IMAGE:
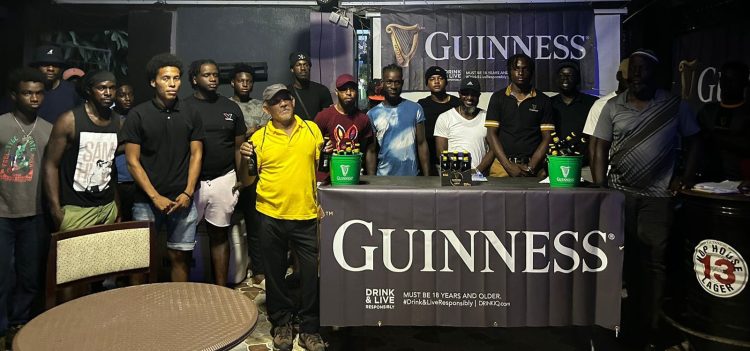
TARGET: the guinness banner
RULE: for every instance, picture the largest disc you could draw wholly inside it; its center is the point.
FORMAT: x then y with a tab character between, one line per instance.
477	45
411	254
698	56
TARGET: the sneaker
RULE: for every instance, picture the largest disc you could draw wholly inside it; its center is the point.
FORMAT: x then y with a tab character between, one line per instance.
283	337
311	342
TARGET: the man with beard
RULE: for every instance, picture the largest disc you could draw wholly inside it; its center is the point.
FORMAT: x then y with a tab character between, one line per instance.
286	151
519	123
242	82
23	232
164	150
344	122
78	162
60	95
125	183
217	192
311	97
462	128
398	125
641	129
436	79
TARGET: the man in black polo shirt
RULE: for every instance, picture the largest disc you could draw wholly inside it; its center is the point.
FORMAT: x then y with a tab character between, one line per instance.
439	101
519	123
311	97
571	107
225	129
164	149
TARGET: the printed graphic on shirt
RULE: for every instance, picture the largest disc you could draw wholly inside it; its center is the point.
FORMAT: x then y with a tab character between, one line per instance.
94	164
229	116
343	135
18	160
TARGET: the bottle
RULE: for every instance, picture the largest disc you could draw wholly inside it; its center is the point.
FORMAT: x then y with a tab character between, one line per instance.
455	163
444	163
252	164
324	162
465	164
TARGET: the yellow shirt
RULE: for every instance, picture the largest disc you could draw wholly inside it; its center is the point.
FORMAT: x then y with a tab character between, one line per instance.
286	170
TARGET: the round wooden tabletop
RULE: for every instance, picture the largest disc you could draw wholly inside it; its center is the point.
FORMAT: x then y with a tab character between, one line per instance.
164	316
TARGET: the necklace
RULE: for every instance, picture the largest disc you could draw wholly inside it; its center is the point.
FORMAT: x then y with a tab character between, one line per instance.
26	136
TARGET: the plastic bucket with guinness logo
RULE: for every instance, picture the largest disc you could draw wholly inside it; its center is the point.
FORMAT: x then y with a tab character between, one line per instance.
345	169
712	300
564	171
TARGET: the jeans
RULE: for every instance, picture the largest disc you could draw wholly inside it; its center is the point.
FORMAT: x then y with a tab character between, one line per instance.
275	237
181	224
24	243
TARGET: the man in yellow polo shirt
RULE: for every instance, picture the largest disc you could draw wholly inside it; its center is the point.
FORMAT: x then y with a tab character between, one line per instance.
285	153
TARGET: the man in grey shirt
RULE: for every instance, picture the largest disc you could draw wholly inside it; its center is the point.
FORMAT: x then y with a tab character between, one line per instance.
641	130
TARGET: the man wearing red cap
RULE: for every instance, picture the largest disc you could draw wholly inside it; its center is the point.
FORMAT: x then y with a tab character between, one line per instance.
343	121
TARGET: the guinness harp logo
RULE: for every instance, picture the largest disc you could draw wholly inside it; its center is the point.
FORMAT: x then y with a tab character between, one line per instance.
405	40
687	71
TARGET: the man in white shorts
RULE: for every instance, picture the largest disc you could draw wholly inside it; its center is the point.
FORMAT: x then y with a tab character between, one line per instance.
218	191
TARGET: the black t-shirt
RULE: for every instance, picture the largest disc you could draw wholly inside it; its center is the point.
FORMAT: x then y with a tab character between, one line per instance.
222	122
164	136
58	100
432	110
726	137
571	118
315	98
520	125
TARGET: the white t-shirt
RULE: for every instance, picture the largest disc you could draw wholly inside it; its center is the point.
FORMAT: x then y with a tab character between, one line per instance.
594	112
464	134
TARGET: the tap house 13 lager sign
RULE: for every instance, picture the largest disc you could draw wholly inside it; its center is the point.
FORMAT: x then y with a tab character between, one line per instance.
477	45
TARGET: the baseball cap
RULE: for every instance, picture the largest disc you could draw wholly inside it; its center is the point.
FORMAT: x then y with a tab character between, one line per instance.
272	90
72	72
649	54
345	79
470	84
298	56
48	54
435	70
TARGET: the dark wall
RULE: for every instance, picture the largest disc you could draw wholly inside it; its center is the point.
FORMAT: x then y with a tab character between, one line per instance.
149	33
243	34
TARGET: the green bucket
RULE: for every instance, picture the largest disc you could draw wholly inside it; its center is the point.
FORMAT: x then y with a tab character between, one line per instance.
564	171
345	169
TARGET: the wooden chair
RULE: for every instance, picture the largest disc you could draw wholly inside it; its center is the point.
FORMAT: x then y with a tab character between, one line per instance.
95	253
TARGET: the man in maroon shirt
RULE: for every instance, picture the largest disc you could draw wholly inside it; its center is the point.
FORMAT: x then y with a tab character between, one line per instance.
343	121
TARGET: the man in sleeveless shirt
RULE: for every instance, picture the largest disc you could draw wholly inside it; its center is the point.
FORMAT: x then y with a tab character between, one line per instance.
80	156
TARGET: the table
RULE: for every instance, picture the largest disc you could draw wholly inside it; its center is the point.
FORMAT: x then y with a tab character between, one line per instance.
164	316
509	252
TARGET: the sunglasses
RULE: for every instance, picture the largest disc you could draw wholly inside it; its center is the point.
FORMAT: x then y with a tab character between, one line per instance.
276	99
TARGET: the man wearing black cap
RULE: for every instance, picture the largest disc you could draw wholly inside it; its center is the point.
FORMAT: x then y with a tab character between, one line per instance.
60	95
80	156
286	152
640	130
436	79
519	123
311	97
462	128
570	105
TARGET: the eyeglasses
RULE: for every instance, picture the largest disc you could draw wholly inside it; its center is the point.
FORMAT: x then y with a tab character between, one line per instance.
393	82
278	98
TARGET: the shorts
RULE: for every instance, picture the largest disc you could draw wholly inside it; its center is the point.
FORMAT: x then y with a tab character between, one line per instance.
215	199
180	225
76	217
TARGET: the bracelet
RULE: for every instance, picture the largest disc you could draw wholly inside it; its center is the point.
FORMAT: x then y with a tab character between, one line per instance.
188	195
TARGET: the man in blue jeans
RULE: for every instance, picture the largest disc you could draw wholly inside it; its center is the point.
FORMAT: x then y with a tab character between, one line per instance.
23	233
164	147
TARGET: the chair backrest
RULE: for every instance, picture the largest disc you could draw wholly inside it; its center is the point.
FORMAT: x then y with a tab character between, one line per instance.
98	252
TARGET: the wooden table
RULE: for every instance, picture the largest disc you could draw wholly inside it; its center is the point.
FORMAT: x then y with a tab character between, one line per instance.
164	316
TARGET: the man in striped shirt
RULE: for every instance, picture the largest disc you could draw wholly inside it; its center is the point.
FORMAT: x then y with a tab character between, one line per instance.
640	130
